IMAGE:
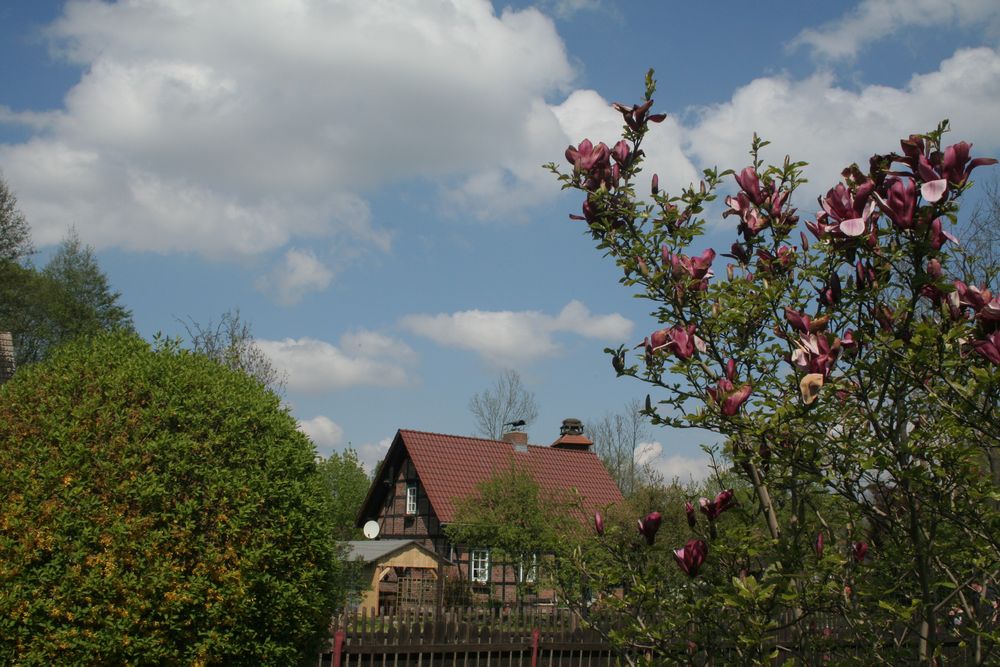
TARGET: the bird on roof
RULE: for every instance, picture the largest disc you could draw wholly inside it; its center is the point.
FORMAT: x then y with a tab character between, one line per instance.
520	423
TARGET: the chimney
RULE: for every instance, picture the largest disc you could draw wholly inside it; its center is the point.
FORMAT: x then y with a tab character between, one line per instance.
6	356
517	438
571	436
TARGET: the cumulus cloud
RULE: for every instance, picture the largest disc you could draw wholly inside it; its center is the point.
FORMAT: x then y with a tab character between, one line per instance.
325	433
830	126
297	274
587	115
686	469
871	20
364	358
370	454
233	128
513	338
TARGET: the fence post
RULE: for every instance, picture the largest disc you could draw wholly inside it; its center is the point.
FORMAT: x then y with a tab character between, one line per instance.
338	647
534	647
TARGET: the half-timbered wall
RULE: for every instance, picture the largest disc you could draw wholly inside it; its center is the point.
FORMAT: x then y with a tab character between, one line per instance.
423	525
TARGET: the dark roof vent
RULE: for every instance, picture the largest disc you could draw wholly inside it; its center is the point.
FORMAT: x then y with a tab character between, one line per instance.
571	427
571	436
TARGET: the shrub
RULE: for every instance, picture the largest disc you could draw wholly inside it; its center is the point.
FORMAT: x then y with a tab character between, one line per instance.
157	508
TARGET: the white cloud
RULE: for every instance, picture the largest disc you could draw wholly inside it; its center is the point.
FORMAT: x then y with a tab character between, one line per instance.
370	454
586	115
298	273
830	127
686	469
513	338
874	20
363	358
325	433
234	128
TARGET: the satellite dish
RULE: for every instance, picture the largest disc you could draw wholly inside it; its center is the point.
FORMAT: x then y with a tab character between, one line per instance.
370	530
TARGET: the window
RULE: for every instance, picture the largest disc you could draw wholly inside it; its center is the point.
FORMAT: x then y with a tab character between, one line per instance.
411	499
479	567
527	570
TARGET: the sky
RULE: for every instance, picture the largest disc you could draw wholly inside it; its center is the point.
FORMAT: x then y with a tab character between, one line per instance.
363	180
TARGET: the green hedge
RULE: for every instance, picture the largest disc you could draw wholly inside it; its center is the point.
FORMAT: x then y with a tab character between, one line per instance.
157	508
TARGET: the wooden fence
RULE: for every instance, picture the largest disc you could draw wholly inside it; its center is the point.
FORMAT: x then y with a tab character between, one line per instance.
543	637
467	637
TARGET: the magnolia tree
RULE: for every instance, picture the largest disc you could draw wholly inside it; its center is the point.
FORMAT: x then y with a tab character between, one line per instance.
854	383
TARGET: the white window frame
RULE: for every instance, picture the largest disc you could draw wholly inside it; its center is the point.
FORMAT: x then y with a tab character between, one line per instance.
528	575
411	498
479	565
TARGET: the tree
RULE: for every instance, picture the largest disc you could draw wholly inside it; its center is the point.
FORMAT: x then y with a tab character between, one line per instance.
854	382
70	298
616	440
979	259
231	343
506	402
511	515
347	483
157	508
88	303
15	235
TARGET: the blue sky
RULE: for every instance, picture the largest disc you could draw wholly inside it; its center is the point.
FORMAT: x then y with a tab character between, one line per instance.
362	179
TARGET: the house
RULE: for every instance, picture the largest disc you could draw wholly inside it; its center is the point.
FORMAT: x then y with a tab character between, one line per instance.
383	561
414	492
6	356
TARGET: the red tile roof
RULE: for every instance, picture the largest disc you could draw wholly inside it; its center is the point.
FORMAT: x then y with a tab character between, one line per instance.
450	467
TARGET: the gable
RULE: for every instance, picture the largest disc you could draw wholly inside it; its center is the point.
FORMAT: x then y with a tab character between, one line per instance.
450	467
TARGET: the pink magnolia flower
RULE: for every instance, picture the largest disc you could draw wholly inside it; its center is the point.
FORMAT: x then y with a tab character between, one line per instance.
989	347
713	508
939	172
751	221
818	545
973	297
621	153
636	115
956	165
830	295
780	261
649	526
691	517
696	269
592	164
844	213
691	556
900	201
864	275
815	353
939	235
598	523
750	184
728	397
859	551
679	340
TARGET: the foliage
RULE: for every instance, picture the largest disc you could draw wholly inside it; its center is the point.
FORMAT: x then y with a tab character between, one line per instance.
157	508
15	235
231	343
855	386
513	517
347	483
616	440
68	299
505	403
89	304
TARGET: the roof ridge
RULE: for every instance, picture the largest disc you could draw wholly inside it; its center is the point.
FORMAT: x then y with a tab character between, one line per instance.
453	435
491	441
